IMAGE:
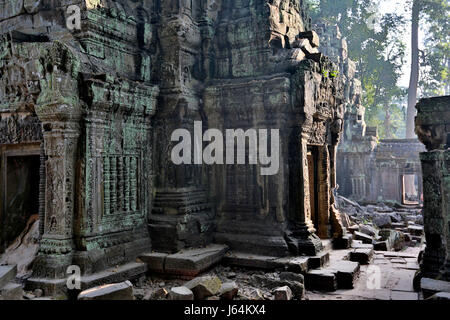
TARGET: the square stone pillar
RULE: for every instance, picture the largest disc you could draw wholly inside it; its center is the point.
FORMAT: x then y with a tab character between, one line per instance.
433	130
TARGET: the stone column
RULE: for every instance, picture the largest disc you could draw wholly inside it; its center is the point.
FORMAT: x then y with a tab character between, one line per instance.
58	108
433	130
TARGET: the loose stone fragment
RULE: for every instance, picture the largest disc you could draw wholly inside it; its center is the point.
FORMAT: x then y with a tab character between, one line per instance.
229	290
283	293
181	293
205	286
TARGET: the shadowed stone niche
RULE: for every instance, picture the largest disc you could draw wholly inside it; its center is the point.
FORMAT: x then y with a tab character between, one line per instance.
433	130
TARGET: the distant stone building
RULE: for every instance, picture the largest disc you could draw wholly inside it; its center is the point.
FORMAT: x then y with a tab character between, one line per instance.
91	112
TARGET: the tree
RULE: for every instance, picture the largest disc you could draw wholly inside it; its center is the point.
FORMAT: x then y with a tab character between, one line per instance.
435	64
379	52
414	78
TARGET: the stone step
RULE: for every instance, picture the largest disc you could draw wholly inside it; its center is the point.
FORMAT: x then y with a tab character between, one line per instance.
344	242
189	262
363	256
321	280
319	261
7	274
11	291
347	272
247	260
339	275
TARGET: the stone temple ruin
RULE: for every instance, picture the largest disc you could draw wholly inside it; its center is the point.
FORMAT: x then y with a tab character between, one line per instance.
86	123
90	112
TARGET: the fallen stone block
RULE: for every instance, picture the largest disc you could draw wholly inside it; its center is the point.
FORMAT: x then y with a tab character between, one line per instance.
368	230
205	286
415	230
382	246
115	291
353	228
347	273
382	220
431	287
7	274
228	290
11	291
181	293
322	280
363	237
283	293
192	262
440	296
363	256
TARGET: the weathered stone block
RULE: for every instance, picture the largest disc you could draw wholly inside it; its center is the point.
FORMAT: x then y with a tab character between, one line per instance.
191	262
228	290
430	287
204	287
322	280
363	237
363	256
283	293
181	293
115	291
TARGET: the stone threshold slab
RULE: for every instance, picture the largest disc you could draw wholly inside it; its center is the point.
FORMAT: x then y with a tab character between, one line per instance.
187	263
121	273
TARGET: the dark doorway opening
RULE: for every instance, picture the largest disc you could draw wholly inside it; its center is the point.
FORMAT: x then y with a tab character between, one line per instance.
313	178
410	189
20	195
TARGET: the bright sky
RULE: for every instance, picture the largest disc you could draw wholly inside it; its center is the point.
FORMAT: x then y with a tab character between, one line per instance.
400	7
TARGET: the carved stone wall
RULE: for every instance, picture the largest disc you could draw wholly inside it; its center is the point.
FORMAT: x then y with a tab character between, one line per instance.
87	95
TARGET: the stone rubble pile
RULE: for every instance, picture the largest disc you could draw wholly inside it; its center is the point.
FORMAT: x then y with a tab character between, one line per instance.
385	226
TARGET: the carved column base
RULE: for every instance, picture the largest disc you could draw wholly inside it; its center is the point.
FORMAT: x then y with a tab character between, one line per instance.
181	218
302	242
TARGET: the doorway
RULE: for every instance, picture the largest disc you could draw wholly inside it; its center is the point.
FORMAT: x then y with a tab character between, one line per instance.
313	178
410	189
19	192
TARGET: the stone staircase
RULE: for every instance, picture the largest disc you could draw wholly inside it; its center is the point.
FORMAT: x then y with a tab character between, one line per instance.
9	290
320	273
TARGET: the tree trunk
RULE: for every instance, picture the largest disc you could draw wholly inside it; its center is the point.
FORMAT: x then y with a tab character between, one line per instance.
414	79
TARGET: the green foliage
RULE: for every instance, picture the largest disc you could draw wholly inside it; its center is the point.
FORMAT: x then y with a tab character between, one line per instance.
435	64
